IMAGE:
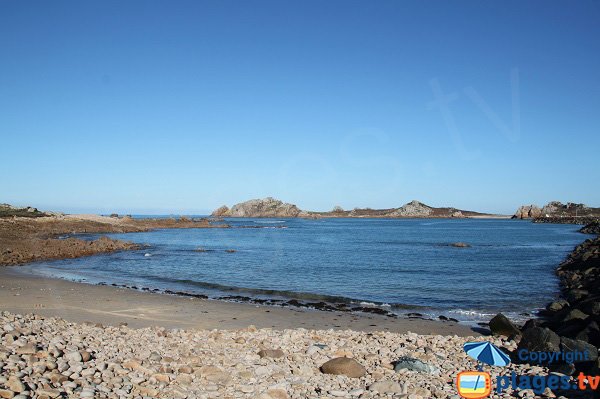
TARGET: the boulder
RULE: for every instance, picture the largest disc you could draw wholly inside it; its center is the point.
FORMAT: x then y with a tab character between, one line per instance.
344	366
220	212
578	346
576	295
539	339
557	306
568	328
591	306
574	314
590	333
501	325
527	212
460	245
413	364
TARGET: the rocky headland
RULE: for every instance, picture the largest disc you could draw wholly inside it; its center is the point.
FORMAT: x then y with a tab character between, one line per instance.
557	212
270	207
28	235
570	323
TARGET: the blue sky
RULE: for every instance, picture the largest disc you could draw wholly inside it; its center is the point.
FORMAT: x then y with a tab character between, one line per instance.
154	107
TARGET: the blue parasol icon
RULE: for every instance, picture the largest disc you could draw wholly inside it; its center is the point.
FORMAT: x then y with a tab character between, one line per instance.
486	352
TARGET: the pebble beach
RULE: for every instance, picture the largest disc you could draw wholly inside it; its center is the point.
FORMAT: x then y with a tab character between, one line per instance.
51	358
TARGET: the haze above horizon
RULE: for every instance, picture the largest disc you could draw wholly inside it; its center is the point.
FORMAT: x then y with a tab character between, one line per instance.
181	107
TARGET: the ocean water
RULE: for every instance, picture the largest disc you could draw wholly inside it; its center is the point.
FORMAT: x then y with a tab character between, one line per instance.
403	265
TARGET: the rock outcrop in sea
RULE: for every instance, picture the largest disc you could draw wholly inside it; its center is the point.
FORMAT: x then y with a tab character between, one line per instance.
528	212
260	208
556	209
412	209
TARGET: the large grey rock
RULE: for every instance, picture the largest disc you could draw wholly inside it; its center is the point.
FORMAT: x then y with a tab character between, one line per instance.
590	333
344	366
501	325
575	314
578	346
557	305
527	212
540	339
412	364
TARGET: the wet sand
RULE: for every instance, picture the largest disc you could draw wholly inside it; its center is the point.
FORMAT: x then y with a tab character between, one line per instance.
78	302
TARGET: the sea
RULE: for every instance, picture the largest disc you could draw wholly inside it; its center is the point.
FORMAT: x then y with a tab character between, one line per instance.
404	266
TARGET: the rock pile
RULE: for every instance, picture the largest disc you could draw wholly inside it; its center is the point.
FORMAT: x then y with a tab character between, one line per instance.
52	358
570	323
591	228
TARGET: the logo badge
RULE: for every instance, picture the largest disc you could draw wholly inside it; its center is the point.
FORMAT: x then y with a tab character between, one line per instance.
474	384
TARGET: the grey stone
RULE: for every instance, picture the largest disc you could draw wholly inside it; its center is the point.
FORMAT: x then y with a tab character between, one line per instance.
413	364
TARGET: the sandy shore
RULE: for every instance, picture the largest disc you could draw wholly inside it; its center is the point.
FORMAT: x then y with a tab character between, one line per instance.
25	293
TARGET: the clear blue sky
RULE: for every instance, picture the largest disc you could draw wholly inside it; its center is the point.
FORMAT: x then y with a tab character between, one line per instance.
177	106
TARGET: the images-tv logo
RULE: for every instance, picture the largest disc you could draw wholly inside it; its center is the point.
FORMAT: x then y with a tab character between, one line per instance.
474	384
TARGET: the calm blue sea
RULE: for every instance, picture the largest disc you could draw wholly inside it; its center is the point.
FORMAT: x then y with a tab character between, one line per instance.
401	264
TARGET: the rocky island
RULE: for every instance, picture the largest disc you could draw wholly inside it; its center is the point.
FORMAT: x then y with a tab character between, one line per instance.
271	207
557	212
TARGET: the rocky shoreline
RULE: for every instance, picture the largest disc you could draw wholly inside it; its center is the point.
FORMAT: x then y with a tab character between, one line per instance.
557	212
570	323
585	220
25	239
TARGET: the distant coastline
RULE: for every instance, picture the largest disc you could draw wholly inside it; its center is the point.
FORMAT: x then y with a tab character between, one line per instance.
271	207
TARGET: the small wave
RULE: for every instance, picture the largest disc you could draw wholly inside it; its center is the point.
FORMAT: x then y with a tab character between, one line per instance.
474	313
367	304
275	293
268	221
